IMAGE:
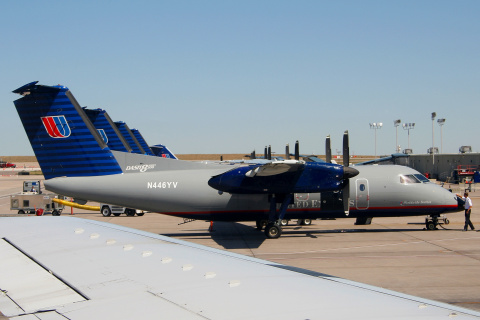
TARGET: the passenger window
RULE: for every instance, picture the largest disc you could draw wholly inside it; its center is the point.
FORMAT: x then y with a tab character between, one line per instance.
362	187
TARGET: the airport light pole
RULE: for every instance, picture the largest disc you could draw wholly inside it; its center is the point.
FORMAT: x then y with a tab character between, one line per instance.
441	122
396	123
376	126
408	126
434	114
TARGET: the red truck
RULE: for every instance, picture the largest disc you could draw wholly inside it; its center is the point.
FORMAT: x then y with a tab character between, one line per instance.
4	164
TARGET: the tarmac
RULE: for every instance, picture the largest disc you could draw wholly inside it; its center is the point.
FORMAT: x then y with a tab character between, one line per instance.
393	253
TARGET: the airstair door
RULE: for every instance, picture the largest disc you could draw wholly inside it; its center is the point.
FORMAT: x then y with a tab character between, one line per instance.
362	194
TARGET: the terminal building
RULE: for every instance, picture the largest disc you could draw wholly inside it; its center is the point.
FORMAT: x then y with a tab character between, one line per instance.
447	167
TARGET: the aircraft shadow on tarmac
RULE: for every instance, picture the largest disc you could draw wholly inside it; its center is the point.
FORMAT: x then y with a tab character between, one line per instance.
234	235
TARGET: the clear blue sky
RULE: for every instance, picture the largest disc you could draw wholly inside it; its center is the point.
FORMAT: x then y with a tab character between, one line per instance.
233	76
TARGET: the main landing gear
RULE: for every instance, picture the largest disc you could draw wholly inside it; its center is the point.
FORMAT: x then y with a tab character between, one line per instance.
276	219
273	227
273	230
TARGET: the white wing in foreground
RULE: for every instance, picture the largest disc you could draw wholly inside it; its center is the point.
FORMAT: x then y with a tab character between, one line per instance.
70	268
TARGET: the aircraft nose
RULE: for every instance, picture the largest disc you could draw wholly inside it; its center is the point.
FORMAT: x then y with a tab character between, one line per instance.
349	172
460	203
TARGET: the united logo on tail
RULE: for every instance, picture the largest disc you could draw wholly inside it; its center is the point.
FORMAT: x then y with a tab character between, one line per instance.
56	126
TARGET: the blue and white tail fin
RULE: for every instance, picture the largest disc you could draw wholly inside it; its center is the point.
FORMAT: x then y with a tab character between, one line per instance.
108	130
142	142
129	137
162	151
63	138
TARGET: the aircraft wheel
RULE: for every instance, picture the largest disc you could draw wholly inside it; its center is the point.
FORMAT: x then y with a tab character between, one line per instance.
21	212
430	225
116	214
307	222
284	222
130	212
141	213
261	224
55	213
273	231
447	221
106	212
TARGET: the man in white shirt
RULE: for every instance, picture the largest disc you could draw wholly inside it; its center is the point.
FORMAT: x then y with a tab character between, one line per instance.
468	210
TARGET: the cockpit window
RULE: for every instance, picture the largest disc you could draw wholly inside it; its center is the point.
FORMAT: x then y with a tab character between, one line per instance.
413	178
408	179
421	177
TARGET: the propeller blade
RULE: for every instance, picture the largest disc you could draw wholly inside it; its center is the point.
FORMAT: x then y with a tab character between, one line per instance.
265	154
328	150
346	197
346	150
287	152
269	152
253	155
347	174
297	151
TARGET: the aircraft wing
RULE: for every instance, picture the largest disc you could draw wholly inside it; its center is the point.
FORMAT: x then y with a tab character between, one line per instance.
71	268
392	159
275	167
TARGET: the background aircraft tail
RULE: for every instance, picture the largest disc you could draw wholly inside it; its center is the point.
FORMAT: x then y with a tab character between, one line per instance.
161	150
63	138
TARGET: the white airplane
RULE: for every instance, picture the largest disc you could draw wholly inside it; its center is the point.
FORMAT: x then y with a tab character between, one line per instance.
71	268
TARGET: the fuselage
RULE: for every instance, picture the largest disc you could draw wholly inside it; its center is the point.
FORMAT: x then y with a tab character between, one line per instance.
181	189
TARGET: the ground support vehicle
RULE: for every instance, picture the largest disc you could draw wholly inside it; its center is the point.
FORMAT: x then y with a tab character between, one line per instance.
36	203
108	209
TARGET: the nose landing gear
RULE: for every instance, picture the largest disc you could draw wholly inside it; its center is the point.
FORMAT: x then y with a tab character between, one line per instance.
432	221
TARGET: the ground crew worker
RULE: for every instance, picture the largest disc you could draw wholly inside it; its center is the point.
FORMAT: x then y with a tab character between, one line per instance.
468	211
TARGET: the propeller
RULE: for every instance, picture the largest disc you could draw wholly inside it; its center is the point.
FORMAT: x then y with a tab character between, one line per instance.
297	151
347	173
328	150
287	152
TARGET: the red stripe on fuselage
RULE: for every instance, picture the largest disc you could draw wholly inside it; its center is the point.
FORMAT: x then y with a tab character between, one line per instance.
450	208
